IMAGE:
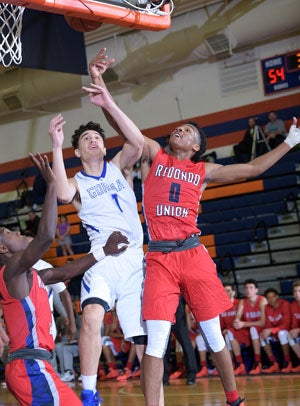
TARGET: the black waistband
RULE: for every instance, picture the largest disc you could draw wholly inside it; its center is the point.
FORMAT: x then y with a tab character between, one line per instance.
30	353
167	246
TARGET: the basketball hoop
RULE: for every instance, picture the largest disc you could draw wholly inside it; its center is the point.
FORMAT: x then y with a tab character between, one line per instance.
10	39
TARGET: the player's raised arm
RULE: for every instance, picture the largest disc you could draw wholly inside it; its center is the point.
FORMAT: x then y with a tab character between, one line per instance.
132	149
231	173
130	134
17	253
66	189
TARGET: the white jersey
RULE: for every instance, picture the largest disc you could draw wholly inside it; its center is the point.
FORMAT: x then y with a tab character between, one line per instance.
109	204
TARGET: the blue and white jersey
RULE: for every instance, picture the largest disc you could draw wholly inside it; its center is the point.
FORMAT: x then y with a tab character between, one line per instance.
109	204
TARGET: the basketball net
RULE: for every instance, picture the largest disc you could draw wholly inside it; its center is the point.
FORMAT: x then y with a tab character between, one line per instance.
10	39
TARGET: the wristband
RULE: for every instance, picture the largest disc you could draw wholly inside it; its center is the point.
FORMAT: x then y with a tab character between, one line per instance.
293	137
98	252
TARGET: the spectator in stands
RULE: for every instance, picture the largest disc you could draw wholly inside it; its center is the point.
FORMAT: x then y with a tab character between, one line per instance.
32	224
235	339
251	315
243	150
185	354
276	329
294	333
275	130
67	349
63	235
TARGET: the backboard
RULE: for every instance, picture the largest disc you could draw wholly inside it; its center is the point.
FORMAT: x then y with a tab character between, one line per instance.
152	15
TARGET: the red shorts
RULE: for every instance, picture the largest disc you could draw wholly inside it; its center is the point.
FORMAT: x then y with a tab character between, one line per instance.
35	382
190	272
242	336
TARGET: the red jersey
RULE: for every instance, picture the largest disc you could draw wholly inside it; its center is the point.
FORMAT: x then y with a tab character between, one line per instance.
295	314
252	311
171	197
226	318
278	319
28	321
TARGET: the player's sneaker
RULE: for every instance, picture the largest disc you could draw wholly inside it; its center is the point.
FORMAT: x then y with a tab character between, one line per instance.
273	369
112	374
175	375
257	369
238	402
202	373
296	369
126	375
287	369
68	376
240	370
89	398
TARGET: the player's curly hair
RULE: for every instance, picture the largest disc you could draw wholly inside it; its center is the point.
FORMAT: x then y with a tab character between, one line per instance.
84	127
197	156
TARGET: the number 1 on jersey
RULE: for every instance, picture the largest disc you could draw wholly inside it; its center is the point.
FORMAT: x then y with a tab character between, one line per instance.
115	198
174	192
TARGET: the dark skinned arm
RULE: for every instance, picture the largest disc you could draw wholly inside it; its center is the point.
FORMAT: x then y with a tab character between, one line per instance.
17	274
79	266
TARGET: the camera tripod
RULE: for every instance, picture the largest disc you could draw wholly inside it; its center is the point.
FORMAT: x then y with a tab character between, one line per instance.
258	140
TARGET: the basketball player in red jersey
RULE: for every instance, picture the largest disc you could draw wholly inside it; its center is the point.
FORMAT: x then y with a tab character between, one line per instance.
278	320
29	374
234	338
176	262
251	315
294	333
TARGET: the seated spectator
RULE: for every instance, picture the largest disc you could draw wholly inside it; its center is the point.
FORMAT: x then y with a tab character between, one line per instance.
251	315
244	149
275	130
276	329
63	235
294	333
65	349
32	224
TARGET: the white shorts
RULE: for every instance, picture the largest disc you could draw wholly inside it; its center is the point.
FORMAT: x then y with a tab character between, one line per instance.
119	279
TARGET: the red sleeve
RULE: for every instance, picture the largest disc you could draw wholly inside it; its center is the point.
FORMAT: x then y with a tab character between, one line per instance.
286	316
294	321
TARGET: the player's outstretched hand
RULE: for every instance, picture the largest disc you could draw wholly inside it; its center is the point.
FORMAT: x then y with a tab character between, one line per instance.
98	95
42	163
99	64
56	130
293	137
112	244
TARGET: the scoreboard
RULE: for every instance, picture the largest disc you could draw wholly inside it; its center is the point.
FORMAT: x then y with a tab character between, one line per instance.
281	72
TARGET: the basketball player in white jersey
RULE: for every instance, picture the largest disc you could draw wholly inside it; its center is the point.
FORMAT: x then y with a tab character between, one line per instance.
105	203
